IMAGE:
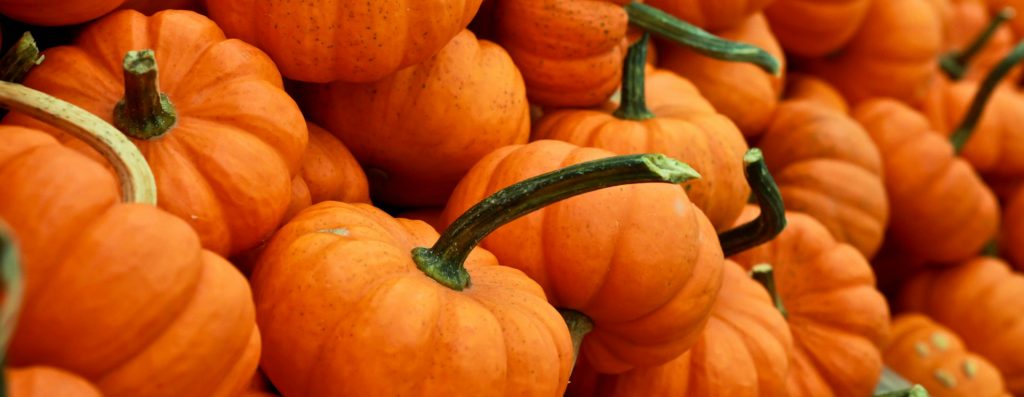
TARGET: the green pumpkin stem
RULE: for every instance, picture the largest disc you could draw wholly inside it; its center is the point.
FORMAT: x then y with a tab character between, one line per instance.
765	275
19	59
772	219
681	32
579	326
144	112
914	391
963	132
444	261
634	99
13	290
955	63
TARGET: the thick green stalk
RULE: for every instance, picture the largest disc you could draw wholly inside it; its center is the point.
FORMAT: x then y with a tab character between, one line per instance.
633	104
19	59
11	280
772	219
955	63
915	391
988	86
765	275
145	112
665	25
444	261
579	326
890	381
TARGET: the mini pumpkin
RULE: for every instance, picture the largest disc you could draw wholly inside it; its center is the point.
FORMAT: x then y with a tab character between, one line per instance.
976	42
711	14
815	28
47	382
329	171
1013	229
57	12
809	88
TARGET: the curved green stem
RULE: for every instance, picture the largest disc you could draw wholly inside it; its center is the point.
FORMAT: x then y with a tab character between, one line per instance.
11	280
144	112
890	381
633	104
914	391
765	275
19	59
579	326
444	261
988	86
955	63
665	25
772	219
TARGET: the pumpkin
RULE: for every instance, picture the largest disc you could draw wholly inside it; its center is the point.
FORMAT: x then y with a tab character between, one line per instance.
976	42
741	92
893	54
461	324
57	12
326	40
815	28
329	171
711	14
150	7
47	382
744	352
402	128
223	138
809	88
1017	24
683	125
1013	229
929	354
981	300
827	166
192	333
837	318
941	211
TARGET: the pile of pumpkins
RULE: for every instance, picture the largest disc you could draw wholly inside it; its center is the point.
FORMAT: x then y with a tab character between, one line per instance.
512	198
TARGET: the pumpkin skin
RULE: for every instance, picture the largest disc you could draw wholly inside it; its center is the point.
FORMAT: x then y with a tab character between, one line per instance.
329	170
150	7
47	382
326	40
226	166
835	22
742	92
1013	229
686	127
570	51
810	88
827	166
941	210
969	18
386	306
821	282
646	276
893	54
931	355
1016	23
711	14
744	352
981	300
402	130
193	333
57	12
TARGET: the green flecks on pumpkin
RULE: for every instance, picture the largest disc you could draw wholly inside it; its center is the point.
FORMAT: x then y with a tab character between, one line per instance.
339	231
945	378
922	349
970	368
941	341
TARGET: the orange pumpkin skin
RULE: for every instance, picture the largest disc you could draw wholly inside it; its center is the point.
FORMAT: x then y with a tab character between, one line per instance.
47	382
981	300
821	283
816	28
226	166
931	355
969	18
809	88
570	51
150	7
941	210
192	332
1017	24
894	54
826	166
744	352
1013	229
402	129
711	14
327	40
329	170
740	91
686	128
646	275
386	307
57	12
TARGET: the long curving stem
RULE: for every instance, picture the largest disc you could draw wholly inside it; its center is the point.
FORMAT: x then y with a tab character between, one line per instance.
13	291
579	326
665	25
444	261
765	275
963	132
137	182
772	219
144	112
955	63
634	97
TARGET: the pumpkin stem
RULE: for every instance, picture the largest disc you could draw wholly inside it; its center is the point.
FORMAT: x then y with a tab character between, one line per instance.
137	182
681	32
890	381
145	112
765	275
915	391
13	291
19	59
579	326
988	86
444	261
634	100
772	219
955	63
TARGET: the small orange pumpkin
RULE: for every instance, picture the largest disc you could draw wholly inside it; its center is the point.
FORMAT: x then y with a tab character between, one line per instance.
711	14
976	42
329	171
815	28
57	12
1013	229
809	88
47	382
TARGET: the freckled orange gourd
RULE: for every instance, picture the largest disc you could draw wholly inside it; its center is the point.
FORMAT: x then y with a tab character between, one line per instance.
329	172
